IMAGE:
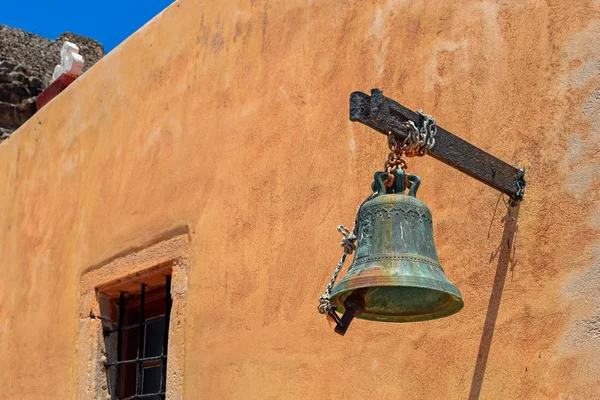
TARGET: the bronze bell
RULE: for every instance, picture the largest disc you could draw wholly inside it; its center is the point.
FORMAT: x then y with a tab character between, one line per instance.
396	274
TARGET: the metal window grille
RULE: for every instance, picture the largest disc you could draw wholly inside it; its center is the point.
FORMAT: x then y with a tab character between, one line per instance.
141	360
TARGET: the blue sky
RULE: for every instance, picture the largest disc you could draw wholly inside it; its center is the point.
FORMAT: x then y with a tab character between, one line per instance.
107	21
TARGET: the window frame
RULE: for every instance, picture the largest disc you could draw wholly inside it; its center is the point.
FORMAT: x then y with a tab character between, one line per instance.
102	283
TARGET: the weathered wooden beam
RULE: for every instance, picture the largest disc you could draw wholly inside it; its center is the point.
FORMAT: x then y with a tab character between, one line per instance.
385	115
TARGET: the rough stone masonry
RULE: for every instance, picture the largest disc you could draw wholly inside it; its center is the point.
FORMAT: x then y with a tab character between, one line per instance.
26	65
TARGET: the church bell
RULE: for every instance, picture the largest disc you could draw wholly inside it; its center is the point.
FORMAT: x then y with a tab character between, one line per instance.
396	274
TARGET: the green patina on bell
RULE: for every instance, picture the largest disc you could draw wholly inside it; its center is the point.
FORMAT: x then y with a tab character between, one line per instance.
396	274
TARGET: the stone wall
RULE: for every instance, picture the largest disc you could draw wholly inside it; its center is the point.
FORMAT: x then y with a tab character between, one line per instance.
18	91
26	65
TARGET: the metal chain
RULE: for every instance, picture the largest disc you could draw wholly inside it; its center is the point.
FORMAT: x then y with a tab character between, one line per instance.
520	182
416	143
349	244
394	160
419	140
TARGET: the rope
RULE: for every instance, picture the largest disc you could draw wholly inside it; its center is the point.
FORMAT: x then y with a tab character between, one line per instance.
349	244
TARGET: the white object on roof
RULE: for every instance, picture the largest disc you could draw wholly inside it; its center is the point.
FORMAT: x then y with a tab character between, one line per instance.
71	62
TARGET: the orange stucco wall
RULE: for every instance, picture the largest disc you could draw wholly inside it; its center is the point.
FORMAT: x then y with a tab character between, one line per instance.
230	119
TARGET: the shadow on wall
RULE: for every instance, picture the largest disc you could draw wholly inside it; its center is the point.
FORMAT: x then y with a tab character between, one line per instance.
504	260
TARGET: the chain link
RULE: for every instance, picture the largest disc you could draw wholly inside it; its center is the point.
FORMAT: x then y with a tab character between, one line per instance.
416	143
419	140
520	182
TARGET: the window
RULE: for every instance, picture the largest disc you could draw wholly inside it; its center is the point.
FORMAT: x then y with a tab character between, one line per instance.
159	270
137	342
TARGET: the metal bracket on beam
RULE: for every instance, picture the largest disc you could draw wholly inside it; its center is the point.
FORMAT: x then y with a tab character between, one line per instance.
385	115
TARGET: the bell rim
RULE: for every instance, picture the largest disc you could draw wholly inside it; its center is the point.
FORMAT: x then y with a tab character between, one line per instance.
455	306
446	310
359	282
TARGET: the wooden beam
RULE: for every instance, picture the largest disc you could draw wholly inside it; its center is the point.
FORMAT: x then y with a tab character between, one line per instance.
386	115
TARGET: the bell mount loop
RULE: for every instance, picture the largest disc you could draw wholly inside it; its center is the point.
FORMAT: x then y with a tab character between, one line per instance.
378	185
402	181
415	182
